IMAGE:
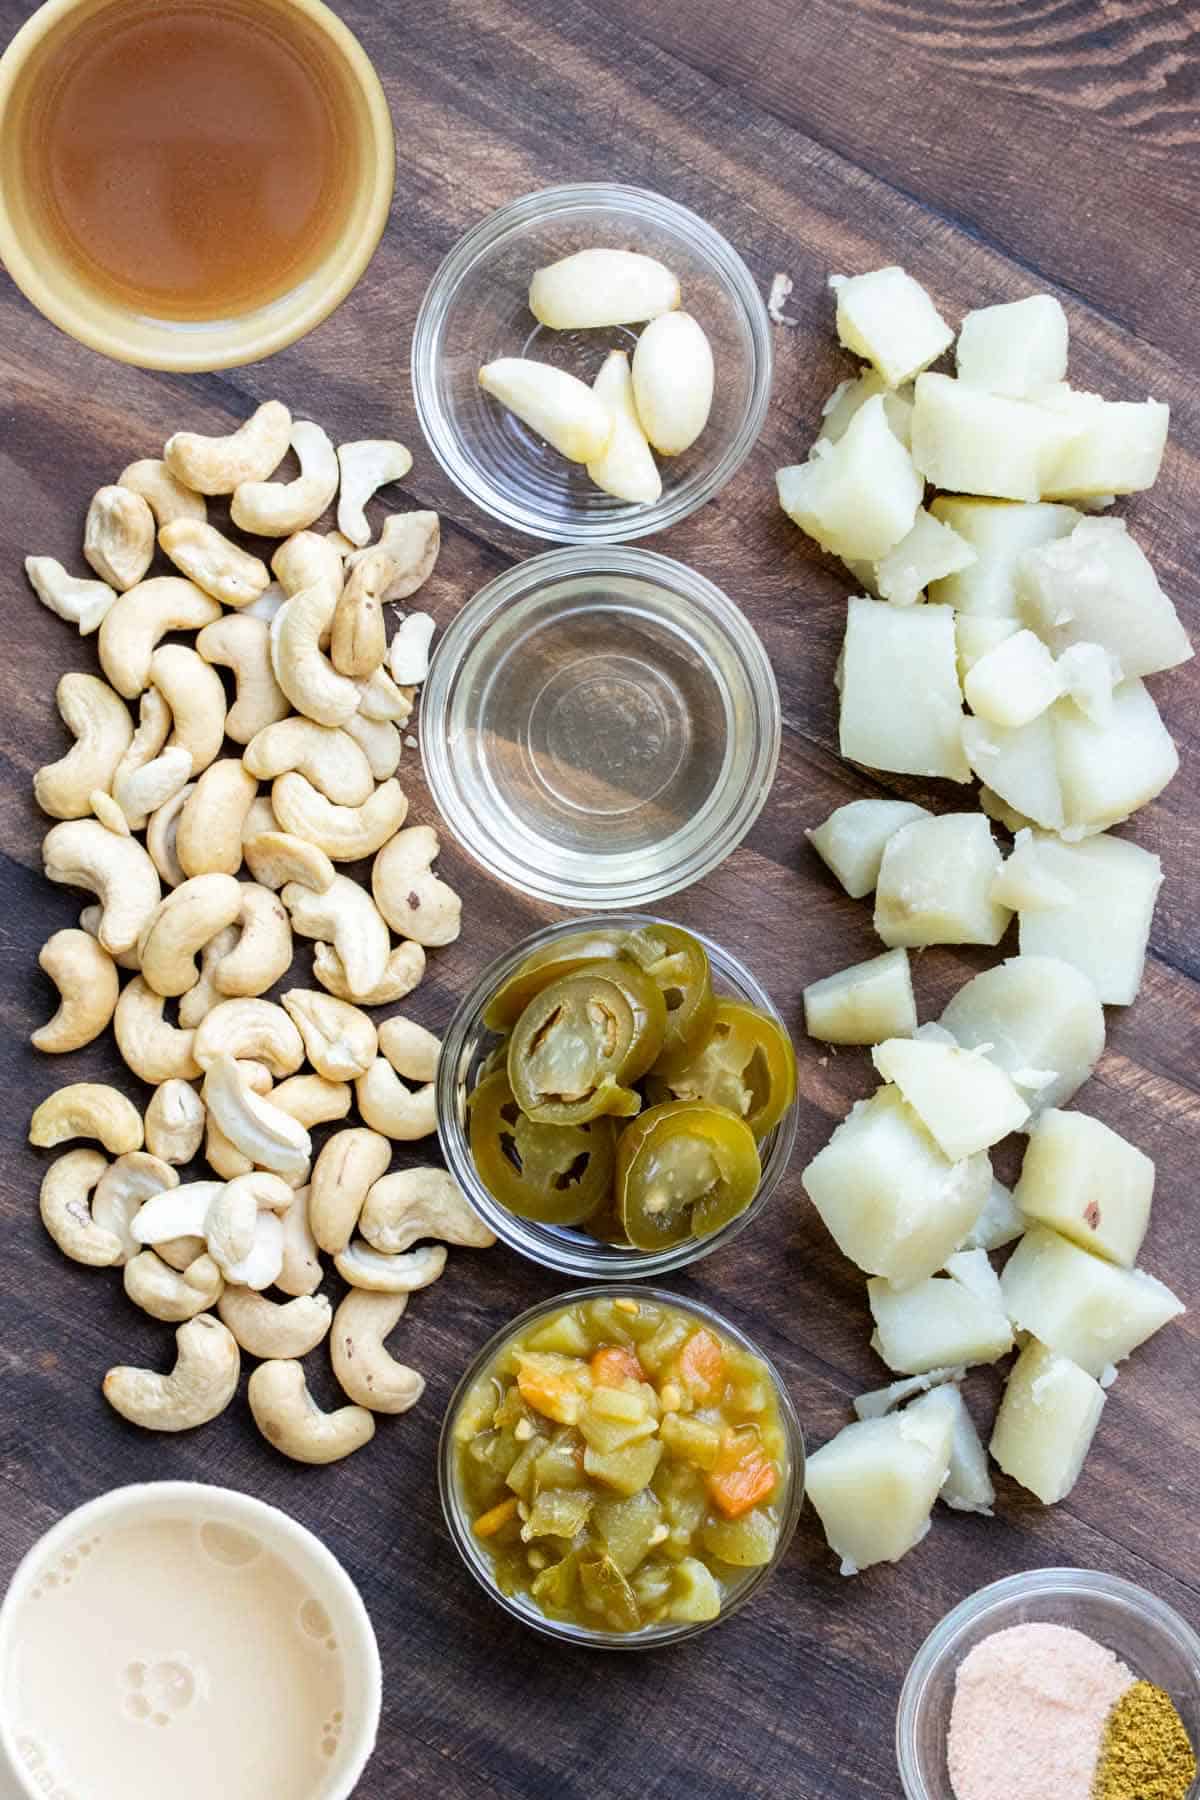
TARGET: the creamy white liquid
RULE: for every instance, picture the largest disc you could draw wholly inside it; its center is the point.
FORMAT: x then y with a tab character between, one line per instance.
175	1658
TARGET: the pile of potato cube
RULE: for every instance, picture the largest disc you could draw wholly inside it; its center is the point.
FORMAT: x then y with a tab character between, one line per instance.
1005	637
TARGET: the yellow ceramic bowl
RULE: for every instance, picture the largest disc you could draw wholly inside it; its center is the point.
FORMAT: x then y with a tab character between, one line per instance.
38	267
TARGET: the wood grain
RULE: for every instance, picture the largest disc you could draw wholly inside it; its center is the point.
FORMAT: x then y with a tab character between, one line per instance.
992	149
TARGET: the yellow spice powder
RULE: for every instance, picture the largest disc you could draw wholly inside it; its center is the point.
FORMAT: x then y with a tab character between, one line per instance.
1146	1753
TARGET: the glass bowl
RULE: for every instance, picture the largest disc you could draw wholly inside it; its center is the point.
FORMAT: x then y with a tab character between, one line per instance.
651	1637
476	309
467	1044
1142	1631
600	727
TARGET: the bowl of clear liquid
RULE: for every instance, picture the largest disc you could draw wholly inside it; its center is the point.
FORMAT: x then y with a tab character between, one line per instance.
600	727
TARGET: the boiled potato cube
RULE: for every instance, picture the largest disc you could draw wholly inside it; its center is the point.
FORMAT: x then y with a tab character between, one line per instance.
695	1594
847	398
857	497
745	1543
851	840
1106	772
1104	927
1019	764
873	1486
935	883
901	705
930	551
1089	675
889	320
890	1200
863	1004
1087	1309
1046	1422
1089	1183
968	1485
1119	449
879	1401
1036	1017
964	1101
1027	884
1015	682
1001	1221
1098	587
973	1271
938	1321
999	532
1015	348
973	442
975	634
1002	812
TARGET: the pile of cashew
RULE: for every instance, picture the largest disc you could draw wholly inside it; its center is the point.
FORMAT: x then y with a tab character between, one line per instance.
212	839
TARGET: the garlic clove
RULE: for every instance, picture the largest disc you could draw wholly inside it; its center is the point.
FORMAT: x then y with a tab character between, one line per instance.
673	382
602	287
558	406
626	468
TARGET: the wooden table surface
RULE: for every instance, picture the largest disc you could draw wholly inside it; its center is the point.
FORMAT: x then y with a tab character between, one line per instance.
994	149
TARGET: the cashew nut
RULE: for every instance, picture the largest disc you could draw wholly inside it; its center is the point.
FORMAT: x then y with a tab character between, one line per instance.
72	597
264	949
151	1047
301	1272
218	465
411	1204
222	1157
180	925
364	1370
223	569
86	978
118	536
380	742
278	508
167	1294
345	833
412	1051
410	897
412	541
154	725
267	604
138	619
166	497
272	1139
304	560
359	641
302	669
242	644
196	696
350	1162
139	792
366	1268
123	1190
271	1329
171	1213
341	543
325	755
340	1040
181	1252
388	1106
229	1225
251	1028
404	971
276	857
366	466
208	835
260	818
87	1109
109	813
81	853
100	723
89	921
160	835
380	698
313	1100
408	658
199	1387
198	1002
288	1416
346	916
67	1215
174	1121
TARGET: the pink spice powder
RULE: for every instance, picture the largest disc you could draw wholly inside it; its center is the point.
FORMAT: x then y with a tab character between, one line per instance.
1030	1705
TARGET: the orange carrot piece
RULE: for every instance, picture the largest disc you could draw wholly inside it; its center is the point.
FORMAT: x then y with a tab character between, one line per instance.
613	1364
494	1520
548	1384
702	1363
743	1478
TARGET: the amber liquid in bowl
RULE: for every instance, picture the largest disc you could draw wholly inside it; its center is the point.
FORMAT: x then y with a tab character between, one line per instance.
190	158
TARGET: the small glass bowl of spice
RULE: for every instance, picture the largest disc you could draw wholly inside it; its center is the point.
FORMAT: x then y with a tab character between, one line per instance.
1060	1684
